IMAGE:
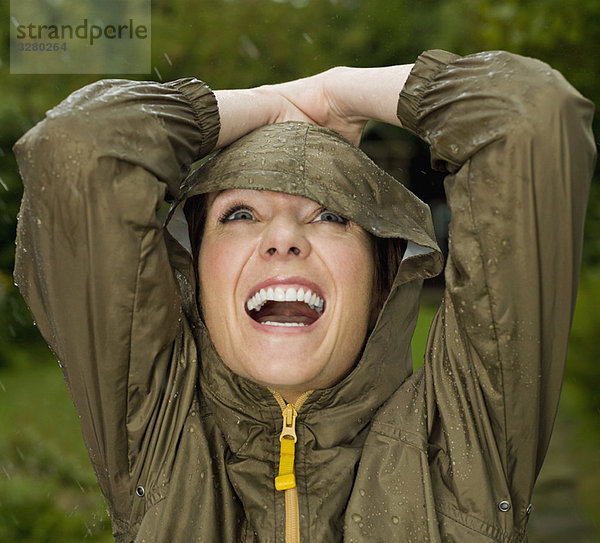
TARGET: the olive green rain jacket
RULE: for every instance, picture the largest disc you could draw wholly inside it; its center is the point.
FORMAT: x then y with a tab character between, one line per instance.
186	451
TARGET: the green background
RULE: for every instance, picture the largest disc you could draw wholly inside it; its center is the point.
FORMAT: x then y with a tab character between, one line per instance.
48	491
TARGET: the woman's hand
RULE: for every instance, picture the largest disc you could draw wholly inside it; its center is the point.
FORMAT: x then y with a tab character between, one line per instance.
342	99
318	99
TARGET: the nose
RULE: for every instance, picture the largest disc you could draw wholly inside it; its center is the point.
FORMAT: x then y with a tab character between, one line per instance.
284	238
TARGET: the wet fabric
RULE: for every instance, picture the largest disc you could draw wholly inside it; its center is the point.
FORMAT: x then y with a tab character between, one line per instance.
185	450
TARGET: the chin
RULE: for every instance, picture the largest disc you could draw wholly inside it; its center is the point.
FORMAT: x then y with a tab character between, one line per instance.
288	373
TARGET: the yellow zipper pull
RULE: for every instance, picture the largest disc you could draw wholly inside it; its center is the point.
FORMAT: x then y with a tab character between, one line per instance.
286	478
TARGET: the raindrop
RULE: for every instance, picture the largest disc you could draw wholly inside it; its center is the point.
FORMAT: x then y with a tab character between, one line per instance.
249	48
168	59
157	73
3	184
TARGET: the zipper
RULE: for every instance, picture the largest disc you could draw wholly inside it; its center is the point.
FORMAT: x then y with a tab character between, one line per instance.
286	479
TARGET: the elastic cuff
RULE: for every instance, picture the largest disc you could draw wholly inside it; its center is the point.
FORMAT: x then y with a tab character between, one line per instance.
206	111
426	67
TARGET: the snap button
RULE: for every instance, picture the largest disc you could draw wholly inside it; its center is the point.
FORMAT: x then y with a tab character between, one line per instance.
504	506
529	508
140	491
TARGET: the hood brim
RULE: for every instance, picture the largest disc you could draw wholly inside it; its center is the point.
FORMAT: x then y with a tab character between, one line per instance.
318	163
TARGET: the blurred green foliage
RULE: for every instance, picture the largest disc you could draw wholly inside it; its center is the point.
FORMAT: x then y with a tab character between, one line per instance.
581	392
240	43
48	491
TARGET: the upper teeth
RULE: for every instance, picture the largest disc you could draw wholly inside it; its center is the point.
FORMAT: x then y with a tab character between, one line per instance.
290	294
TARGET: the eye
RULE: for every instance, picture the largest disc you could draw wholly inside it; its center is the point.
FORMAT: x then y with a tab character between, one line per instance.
241	215
237	213
330	216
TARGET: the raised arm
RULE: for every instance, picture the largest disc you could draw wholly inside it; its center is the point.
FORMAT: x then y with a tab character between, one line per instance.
516	141
343	99
91	257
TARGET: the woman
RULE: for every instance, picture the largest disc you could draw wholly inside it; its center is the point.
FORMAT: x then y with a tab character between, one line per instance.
181	368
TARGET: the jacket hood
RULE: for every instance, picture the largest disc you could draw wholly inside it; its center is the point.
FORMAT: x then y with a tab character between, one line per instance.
317	163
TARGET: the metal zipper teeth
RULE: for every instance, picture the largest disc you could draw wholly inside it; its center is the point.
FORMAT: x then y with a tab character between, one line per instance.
292	509
299	401
292	516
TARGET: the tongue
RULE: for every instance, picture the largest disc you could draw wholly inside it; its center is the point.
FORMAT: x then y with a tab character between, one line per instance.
286	312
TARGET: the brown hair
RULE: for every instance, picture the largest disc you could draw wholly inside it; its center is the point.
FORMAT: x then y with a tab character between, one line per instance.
196	210
387	253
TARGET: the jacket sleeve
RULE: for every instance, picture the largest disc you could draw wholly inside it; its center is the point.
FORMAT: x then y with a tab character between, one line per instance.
516	141
91	259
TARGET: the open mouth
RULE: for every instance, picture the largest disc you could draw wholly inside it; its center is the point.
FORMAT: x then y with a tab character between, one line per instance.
285	306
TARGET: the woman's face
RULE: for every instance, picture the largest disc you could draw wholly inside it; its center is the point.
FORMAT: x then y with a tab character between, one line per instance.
286	289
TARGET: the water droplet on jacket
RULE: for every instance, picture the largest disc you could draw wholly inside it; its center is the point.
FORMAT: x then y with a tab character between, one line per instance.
356	517
395	520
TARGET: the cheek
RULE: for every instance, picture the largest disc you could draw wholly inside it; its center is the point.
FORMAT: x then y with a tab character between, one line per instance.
352	268
219	266
356	267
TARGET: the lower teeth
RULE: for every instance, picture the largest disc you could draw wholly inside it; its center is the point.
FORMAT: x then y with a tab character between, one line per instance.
271	323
